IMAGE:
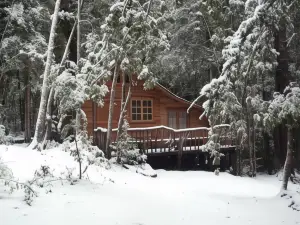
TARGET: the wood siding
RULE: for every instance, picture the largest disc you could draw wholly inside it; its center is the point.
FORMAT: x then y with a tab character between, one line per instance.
162	103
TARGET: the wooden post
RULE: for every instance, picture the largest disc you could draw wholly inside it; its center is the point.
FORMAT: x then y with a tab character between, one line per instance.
180	151
94	109
162	140
156	134
144	146
151	146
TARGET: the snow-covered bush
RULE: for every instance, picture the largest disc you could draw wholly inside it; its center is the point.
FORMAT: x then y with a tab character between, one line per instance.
5	173
2	134
126	151
4	138
131	157
52	144
85	153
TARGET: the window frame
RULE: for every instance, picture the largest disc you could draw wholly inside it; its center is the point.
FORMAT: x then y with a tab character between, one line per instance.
142	113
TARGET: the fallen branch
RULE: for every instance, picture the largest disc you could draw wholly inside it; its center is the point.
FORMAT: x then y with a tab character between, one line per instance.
22	184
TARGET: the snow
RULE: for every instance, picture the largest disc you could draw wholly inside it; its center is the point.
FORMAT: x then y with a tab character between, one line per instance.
156	127
186	148
16	13
124	197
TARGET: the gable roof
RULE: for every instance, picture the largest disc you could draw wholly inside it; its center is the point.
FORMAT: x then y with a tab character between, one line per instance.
171	94
175	97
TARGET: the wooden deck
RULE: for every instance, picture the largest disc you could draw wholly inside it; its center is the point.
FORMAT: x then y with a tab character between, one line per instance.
165	140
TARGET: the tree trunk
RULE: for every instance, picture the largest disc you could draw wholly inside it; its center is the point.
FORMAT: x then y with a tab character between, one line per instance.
111	110
27	133
249	137
282	79
253	149
124	106
78	115
40	123
51	95
78	31
288	160
47	135
21	113
66	29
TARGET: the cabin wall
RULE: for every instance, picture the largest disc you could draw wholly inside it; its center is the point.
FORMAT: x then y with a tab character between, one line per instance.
194	120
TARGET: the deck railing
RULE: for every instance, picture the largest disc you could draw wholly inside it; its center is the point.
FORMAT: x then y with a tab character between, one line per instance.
162	139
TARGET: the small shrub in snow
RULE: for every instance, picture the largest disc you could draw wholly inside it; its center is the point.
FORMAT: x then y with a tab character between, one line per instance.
213	147
52	144
217	172
126	151
132	157
85	153
5	173
4	138
68	175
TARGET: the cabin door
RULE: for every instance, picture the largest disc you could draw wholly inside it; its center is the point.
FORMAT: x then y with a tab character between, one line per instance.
177	119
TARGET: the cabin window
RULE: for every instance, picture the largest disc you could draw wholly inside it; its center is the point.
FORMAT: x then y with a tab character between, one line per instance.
177	119
182	120
172	121
141	110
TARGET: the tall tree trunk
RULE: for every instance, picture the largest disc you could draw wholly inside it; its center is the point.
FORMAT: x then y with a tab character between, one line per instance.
40	123
288	160
250	144
124	106
21	126
78	115
51	95
253	148
66	29
111	110
282	79
27	133
78	31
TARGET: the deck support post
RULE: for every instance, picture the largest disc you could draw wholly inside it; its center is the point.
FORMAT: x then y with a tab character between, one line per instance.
180	151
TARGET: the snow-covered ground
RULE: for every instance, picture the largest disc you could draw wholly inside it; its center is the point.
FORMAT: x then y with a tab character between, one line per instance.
123	197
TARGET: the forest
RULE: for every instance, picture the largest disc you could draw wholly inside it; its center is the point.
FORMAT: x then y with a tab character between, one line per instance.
237	59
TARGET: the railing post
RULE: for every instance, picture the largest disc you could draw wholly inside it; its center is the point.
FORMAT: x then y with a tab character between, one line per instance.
156	134
180	151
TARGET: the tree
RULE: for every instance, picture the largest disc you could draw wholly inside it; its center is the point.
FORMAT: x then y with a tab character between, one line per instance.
22	49
284	108
41	119
133	34
236	96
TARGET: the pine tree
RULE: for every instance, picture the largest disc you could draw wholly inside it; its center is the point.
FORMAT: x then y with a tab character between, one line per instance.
236	96
22	48
284	108
132	37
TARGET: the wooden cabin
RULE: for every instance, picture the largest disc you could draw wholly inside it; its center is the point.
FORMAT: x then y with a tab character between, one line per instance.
159	125
147	108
